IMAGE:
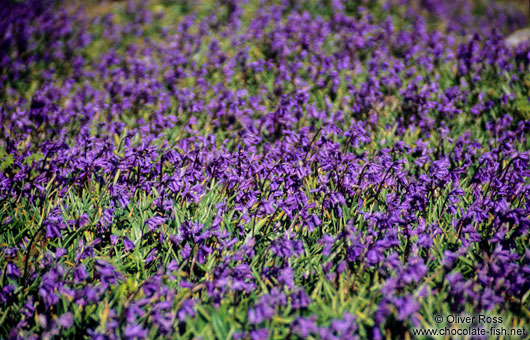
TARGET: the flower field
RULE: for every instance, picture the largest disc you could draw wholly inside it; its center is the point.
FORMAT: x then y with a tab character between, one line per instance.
261	169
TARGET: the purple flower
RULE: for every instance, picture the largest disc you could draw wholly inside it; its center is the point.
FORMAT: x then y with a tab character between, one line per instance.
300	299
80	273
66	320
407	306
127	244
304	327
154	222
259	334
259	313
53	230
186	309
286	277
12	271
6	293
135	332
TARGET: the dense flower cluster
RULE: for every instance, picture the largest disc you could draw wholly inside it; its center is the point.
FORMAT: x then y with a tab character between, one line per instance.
261	169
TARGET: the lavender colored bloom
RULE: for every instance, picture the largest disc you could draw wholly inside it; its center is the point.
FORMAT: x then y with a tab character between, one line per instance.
66	320
127	244
135	332
259	334
80	273
259	313
300	299
286	277
186	309
304	327
154	222
12	271
6	293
